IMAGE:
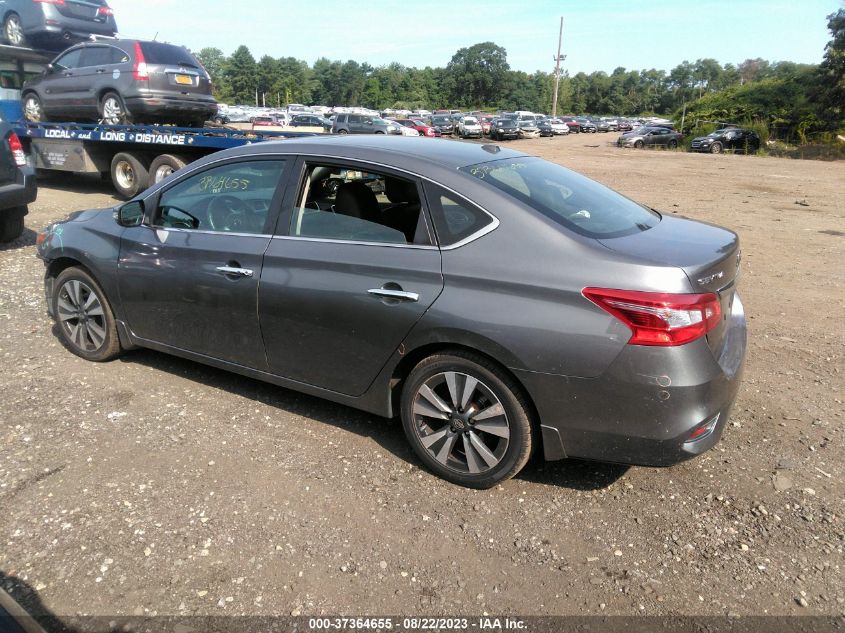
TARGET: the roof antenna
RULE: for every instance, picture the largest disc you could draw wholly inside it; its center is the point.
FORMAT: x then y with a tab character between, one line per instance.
155	37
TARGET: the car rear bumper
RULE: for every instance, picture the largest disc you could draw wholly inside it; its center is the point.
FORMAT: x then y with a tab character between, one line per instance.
643	409
171	106
19	193
56	26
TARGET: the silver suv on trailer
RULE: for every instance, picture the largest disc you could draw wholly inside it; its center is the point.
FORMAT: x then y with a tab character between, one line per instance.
122	82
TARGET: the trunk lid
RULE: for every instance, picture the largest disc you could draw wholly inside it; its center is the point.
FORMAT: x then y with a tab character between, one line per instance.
174	69
709	255
83	10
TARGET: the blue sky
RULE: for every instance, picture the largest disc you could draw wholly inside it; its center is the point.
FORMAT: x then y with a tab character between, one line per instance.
598	35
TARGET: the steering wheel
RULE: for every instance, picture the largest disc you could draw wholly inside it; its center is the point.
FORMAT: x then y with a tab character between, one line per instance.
227	213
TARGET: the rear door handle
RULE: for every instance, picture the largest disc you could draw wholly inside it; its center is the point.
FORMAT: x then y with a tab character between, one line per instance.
234	271
394	294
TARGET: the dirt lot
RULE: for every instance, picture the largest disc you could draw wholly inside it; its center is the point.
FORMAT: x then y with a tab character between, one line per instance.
155	485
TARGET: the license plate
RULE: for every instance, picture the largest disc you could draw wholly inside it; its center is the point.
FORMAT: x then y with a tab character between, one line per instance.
184	80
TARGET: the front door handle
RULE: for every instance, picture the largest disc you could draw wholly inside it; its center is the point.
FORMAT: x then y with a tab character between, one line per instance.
234	271
389	293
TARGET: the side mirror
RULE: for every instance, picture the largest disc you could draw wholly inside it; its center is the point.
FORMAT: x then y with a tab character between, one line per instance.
130	214
49	68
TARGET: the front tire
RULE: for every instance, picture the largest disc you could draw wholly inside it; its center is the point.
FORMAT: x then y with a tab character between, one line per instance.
672	144
32	109
716	148
84	316
639	144
466	419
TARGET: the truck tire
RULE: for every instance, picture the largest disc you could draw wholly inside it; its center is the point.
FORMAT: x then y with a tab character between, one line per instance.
11	225
164	165
130	173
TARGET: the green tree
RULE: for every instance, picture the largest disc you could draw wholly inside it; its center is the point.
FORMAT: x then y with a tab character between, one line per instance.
830	82
213	61
240	73
478	73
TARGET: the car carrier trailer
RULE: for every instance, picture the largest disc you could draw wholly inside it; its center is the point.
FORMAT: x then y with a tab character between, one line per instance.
133	156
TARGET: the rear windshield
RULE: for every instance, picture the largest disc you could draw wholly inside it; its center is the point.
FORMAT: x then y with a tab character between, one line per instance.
573	201
159	53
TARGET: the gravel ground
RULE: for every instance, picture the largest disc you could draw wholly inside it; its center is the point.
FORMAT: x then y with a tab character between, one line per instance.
155	485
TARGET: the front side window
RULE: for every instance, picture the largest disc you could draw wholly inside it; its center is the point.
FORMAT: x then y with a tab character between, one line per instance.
68	60
231	198
569	199
345	203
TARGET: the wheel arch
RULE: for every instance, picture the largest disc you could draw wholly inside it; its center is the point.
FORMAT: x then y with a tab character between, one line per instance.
413	357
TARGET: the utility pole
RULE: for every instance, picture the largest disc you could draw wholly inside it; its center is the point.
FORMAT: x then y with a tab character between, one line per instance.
558	59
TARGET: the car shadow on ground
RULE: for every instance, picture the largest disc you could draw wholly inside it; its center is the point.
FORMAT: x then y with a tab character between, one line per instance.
27	238
27	598
79	183
574	474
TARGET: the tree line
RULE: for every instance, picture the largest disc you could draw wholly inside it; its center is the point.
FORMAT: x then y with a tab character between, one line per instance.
796	98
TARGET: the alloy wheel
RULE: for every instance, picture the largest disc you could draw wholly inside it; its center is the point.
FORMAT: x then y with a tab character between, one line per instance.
14	30
32	108
461	422
112	111
81	316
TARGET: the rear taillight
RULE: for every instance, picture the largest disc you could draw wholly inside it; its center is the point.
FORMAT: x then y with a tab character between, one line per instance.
659	318
105	10
139	70
17	149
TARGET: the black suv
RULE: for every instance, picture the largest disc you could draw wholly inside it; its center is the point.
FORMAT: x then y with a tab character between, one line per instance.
55	23
17	184
736	139
504	128
122	82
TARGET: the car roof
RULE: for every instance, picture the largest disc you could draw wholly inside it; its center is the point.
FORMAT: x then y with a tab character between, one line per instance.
379	147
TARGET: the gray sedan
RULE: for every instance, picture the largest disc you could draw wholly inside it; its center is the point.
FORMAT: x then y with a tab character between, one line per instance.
658	136
498	303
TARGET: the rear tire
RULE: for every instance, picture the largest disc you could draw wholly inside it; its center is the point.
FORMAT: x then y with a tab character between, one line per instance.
164	165
454	445
13	30
113	110
84	316
130	173
11	225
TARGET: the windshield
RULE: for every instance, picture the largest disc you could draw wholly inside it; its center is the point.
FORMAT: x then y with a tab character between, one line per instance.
569	199
440	119
470	121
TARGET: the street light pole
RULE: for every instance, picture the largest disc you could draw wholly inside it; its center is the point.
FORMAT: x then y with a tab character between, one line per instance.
558	59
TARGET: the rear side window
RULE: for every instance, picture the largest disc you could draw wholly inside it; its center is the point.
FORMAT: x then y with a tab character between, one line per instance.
159	53
569	199
455	218
95	56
